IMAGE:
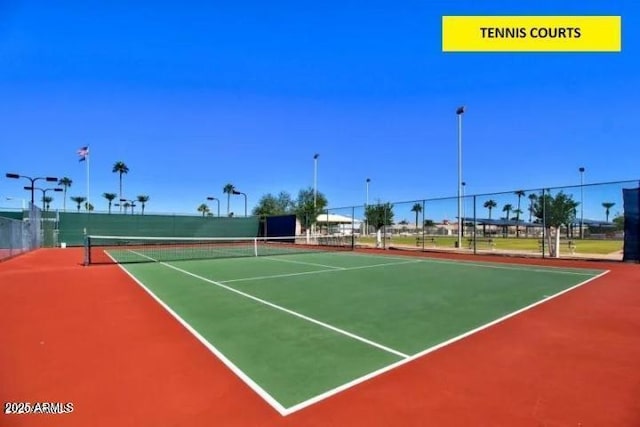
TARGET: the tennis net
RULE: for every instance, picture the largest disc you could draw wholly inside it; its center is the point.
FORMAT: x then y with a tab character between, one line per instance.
135	249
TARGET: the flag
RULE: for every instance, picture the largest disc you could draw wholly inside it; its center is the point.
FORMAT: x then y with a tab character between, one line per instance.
83	153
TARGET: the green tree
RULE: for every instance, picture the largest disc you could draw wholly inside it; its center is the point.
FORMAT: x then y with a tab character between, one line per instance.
88	206
126	206
379	215
204	209
532	199
120	168
305	211
228	190
429	223
78	200
618	222
143	199
270	205
46	200
490	204
507	208
66	183
607	206
109	197
417	208
554	212
518	211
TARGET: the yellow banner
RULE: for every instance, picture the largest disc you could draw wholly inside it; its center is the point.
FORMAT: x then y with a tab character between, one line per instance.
531	34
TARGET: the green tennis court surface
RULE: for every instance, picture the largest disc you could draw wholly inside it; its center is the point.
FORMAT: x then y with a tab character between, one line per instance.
300	327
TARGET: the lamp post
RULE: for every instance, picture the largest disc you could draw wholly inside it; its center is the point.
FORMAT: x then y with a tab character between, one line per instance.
236	192
44	192
33	180
315	181
132	203
367	199
459	112
581	170
464	184
366	205
213	198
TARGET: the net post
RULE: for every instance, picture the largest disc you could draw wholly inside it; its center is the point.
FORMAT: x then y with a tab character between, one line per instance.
87	250
255	247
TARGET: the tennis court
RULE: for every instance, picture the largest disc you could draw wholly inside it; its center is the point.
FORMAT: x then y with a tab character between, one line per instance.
300	325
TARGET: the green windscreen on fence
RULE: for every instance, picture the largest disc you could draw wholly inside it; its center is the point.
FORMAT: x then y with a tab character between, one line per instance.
12	214
72	226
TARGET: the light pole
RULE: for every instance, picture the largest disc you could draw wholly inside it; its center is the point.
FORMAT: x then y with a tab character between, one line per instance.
464	184
315	181
44	192
366	223
368	181
459	112
581	170
33	180
213	198
236	192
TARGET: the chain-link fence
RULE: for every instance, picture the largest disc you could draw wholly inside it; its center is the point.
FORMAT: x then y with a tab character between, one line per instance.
581	221
20	235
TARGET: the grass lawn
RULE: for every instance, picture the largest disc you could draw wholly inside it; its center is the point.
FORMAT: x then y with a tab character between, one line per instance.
587	246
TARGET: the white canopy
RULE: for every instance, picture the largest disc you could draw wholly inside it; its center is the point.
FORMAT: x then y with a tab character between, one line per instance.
336	219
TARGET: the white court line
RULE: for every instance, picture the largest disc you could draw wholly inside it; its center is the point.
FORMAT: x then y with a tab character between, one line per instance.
235	369
407	359
303	273
517	267
371	375
277	258
286	310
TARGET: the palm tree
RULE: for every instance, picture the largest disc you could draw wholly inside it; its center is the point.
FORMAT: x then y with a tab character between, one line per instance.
520	194
607	206
228	190
532	199
507	208
109	197
490	204
88	206
417	208
46	200
79	200
66	183
143	198
126	206
204	209
120	168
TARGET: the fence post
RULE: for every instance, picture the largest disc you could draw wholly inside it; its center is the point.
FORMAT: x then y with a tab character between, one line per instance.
475	219
544	223
424	207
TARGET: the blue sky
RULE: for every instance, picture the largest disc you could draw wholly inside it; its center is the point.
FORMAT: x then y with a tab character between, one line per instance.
195	96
